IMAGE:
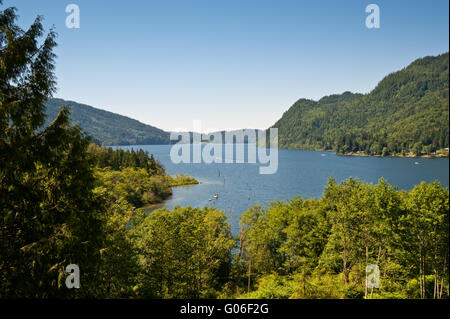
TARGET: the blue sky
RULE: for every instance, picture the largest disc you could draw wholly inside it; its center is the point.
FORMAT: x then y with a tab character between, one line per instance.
231	64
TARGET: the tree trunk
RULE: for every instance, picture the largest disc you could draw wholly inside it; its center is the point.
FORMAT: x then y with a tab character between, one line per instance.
367	262
436	285
346	273
249	276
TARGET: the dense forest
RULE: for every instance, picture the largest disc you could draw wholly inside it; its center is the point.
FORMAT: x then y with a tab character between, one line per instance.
133	175
65	200
105	127
407	113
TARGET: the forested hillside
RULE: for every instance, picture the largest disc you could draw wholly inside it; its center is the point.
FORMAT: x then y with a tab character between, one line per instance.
105	127
407	113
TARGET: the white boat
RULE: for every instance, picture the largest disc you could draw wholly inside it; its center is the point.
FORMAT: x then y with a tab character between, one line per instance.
216	196
417	163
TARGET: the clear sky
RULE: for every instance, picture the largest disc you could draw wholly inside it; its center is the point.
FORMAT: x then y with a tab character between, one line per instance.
231	64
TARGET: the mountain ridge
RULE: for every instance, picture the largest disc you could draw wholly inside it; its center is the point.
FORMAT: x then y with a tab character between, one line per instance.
407	112
107	128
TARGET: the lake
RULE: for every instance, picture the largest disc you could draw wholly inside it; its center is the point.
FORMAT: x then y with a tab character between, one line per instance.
300	173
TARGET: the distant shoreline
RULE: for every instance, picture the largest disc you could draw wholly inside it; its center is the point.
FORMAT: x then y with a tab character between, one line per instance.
442	153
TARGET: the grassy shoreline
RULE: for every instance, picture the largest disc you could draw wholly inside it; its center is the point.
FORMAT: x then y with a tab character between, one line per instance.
182	180
177	181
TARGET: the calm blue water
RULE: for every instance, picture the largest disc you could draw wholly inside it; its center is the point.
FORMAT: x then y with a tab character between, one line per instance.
300	173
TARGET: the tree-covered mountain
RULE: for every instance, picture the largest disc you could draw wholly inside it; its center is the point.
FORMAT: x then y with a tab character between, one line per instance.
105	127
408	112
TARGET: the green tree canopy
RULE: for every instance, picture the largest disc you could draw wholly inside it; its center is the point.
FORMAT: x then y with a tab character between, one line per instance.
48	211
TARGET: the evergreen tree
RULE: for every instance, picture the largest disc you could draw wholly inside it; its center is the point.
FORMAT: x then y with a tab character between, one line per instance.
48	211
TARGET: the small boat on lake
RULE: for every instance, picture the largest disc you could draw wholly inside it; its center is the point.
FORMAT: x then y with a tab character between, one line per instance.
216	196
